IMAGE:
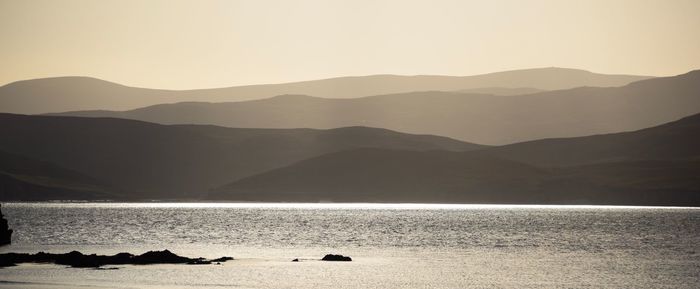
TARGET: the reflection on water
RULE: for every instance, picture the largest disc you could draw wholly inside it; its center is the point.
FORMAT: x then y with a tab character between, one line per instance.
393	245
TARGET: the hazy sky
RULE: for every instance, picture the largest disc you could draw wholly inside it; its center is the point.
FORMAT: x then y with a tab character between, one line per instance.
196	44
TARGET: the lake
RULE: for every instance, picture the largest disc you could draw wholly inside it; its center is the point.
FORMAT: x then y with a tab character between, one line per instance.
392	245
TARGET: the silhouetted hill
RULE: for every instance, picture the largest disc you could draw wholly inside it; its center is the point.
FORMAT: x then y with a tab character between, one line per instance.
380	175
375	175
678	141
487	119
82	93
630	183
656	166
148	160
23	178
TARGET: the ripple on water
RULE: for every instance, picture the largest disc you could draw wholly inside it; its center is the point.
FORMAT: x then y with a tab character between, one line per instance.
431	246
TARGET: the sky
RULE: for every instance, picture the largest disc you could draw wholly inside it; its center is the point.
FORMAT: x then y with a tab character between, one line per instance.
200	44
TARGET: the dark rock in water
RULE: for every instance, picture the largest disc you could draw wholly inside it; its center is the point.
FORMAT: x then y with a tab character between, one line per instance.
161	257
80	260
5	262
295	260
11	259
222	259
5	231
331	257
202	261
121	258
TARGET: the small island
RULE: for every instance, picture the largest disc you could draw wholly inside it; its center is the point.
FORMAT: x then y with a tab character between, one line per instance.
333	257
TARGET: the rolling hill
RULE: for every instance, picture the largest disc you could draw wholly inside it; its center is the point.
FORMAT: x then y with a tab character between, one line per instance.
146	160
381	175
25	179
61	94
479	118
675	141
656	166
105	158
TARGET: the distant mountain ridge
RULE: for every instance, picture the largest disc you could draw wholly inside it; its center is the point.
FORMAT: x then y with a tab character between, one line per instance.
145	160
637	144
675	141
655	166
62	94
23	178
46	157
479	118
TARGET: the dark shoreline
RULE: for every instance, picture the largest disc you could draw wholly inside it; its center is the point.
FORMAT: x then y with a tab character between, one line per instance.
79	260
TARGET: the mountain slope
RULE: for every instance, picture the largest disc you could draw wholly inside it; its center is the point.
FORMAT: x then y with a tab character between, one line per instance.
156	161
678	140
375	175
23	178
656	166
83	93
487	119
380	175
646	182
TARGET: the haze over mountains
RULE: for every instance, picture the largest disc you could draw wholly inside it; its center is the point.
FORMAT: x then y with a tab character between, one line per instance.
144	160
658	165
478	118
23	178
82	93
558	140
103	158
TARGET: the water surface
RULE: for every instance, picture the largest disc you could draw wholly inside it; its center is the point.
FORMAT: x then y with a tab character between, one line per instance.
393	245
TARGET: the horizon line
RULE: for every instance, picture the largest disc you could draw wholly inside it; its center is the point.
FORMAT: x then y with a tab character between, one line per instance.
339	205
336	77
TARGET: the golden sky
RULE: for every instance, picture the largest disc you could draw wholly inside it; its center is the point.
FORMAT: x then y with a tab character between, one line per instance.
199	44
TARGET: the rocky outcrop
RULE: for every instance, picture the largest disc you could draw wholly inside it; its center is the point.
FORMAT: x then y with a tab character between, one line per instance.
331	257
80	260
5	231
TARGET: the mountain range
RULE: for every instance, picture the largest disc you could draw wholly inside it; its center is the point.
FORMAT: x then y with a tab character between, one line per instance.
23	178
62	94
145	160
104	158
478	118
658	166
538	136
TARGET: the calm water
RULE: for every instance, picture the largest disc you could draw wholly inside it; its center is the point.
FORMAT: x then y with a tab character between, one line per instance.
393	246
